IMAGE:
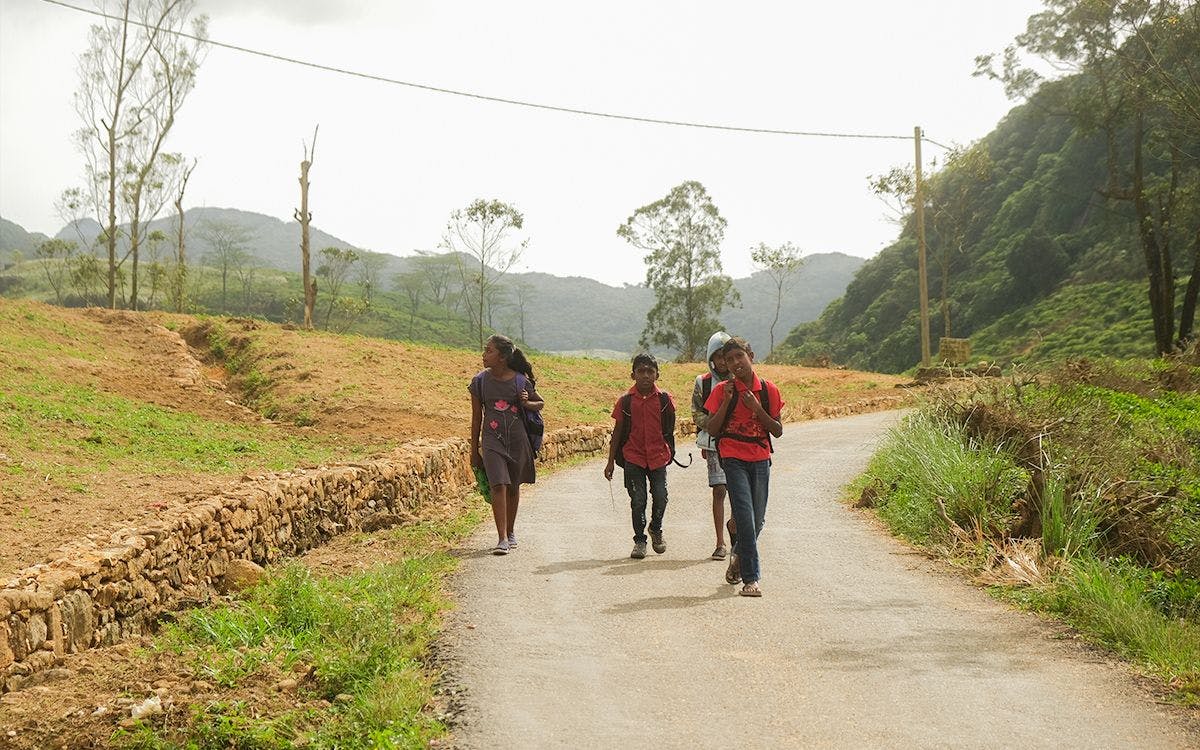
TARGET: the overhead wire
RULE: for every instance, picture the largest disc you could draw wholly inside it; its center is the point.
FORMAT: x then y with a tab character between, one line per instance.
497	99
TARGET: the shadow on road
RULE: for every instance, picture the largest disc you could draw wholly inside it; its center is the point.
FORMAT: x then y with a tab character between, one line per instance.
622	566
670	602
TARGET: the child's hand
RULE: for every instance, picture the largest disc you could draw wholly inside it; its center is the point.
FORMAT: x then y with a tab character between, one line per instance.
524	396
751	401
608	471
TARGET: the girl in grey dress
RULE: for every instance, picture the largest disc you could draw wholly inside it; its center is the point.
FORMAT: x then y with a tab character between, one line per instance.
499	443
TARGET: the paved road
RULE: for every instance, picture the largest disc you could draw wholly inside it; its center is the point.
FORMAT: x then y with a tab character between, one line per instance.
856	642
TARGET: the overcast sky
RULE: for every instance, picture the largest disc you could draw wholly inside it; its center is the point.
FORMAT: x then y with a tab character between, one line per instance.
393	162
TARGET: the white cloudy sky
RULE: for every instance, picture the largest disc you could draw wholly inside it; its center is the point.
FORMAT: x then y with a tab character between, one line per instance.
393	162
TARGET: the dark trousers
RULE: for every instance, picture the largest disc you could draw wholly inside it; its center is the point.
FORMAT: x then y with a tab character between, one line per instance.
635	485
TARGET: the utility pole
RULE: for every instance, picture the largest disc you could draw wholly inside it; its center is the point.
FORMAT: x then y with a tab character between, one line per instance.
919	207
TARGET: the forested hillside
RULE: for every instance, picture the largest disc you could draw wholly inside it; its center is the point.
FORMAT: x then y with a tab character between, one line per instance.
1035	229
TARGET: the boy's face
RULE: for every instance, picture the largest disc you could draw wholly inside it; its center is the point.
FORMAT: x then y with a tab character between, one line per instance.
718	363
740	363
644	377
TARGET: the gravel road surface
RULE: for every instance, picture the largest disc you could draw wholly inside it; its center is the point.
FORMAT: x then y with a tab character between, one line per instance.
856	642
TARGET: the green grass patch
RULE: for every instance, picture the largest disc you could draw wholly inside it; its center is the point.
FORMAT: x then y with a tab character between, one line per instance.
365	635
924	462
1114	602
100	431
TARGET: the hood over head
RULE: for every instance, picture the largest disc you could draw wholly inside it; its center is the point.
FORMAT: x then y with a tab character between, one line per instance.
715	342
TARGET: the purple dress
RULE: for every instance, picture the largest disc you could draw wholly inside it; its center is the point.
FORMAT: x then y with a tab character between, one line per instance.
503	444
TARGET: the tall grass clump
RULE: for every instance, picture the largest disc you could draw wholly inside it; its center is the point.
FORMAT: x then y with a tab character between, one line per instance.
1070	521
1111	599
933	481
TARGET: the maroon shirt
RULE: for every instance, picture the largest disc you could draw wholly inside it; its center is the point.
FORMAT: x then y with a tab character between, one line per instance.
645	446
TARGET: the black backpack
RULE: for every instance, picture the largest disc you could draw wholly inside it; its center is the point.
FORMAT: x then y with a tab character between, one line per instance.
764	398
667	411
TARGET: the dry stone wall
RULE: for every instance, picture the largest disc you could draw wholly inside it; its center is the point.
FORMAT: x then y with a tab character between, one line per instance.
95	594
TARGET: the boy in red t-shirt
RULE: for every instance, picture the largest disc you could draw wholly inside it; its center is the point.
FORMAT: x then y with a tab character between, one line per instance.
638	444
745	414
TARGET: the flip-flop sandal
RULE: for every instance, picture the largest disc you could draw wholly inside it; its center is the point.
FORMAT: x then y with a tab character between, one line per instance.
733	574
751	589
719	553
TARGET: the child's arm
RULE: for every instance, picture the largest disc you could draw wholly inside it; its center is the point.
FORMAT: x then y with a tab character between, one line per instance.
699	416
531	401
476	426
612	449
769	423
727	390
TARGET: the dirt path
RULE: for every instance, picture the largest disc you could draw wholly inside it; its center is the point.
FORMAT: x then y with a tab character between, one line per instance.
857	641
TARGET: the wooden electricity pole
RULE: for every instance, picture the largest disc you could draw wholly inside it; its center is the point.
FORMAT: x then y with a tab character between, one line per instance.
919	207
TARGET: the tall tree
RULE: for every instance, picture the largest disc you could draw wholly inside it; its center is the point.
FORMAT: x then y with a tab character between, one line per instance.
781	264
1118	50
481	232
137	71
335	269
681	234
228	250
412	285
439	270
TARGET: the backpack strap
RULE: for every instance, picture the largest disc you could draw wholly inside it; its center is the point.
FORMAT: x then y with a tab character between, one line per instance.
625	403
706	384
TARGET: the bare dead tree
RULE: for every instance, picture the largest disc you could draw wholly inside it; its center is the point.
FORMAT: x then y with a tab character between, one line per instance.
179	277
304	216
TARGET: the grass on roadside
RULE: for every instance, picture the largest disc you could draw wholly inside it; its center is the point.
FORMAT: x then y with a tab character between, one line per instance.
1116	522
364	639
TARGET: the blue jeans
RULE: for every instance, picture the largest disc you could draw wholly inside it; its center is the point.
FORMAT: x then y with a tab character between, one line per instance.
747	482
635	485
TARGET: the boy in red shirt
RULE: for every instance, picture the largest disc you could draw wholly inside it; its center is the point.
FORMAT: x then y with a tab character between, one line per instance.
640	447
745	414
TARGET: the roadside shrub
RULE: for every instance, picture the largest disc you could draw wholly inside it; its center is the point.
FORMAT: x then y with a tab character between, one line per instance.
936	481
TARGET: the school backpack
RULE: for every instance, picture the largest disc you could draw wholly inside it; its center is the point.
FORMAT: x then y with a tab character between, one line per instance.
535	428
666	409
764	398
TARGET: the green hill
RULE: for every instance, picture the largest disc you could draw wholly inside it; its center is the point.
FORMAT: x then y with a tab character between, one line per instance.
1041	266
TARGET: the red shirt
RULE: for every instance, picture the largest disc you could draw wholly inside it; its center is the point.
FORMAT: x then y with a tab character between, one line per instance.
645	446
741	420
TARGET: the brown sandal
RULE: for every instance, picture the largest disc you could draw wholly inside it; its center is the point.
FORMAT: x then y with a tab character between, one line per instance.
751	589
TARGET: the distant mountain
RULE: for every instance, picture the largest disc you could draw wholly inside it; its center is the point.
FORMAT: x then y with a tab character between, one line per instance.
276	243
561	313
14	237
577	313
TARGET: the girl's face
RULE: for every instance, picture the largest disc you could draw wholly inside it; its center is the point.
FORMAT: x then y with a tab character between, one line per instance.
491	355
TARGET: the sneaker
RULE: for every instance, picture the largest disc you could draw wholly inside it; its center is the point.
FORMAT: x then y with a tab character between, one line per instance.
512	541
719	553
657	542
639	550
501	547
733	573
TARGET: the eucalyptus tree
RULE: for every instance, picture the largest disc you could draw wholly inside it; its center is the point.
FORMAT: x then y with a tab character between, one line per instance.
780	264
481	232
138	69
681	234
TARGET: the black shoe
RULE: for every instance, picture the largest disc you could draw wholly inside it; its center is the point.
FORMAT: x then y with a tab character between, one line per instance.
656	541
639	550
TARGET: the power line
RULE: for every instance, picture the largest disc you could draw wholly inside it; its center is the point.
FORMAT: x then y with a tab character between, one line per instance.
496	99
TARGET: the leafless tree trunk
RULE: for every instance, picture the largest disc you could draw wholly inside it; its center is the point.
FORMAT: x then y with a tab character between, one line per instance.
304	216
179	278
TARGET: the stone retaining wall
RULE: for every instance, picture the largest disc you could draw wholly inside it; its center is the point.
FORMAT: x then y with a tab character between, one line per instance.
96	594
